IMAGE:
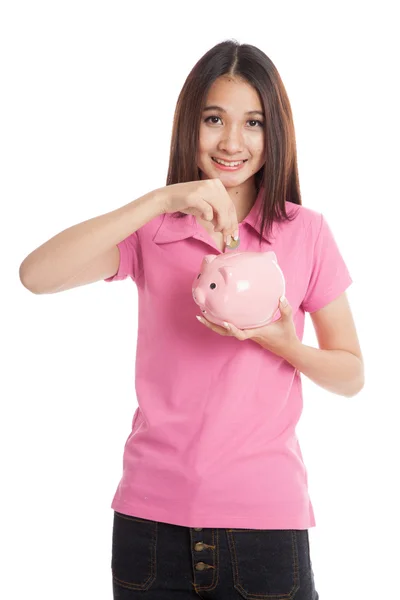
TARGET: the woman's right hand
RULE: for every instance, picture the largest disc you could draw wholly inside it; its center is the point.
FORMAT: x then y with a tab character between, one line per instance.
206	199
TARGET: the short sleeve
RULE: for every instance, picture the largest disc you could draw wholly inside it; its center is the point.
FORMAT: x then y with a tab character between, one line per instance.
329	276
129	259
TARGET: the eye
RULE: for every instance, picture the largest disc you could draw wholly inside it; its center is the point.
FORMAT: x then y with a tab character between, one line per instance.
198	276
260	123
213	286
212	117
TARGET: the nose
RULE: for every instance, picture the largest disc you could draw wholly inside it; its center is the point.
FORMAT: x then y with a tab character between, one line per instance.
199	296
232	140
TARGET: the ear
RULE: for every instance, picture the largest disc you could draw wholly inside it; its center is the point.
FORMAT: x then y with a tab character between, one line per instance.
227	272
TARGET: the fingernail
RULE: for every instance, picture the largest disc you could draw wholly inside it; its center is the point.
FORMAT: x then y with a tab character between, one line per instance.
226	325
228	239
283	300
199	318
236	235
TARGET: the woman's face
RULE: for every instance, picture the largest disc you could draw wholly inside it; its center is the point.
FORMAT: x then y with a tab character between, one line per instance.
233	132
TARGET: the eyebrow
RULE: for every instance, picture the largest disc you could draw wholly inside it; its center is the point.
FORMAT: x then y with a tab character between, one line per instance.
249	112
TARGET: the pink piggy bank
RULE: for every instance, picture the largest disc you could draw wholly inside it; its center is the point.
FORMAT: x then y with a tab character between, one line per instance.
242	288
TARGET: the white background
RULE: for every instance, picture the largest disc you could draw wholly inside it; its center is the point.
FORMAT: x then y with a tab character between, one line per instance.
88	95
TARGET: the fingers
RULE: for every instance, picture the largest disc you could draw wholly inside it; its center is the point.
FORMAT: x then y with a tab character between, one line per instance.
202	209
213	204
217	328
208	213
224	209
227	219
227	329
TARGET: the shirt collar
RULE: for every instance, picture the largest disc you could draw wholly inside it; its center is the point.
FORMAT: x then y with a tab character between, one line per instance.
173	229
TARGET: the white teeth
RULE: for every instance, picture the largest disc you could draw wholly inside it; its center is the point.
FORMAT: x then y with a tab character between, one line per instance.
228	164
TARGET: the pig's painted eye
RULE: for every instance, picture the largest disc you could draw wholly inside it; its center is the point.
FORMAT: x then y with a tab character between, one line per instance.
198	276
213	286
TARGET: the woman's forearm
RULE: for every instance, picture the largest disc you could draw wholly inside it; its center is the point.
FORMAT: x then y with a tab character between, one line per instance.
56	261
338	371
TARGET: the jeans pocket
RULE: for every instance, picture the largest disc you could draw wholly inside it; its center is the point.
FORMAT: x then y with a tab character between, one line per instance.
133	562
265	563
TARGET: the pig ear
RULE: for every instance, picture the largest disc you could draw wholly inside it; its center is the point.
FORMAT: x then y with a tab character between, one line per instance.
227	273
209	258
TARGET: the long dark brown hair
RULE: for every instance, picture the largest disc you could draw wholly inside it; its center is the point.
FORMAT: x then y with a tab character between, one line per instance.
279	176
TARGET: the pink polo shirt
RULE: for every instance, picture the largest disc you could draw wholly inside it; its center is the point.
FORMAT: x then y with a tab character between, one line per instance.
213	441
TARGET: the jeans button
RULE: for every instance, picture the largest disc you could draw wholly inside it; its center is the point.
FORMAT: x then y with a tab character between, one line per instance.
199	546
198	528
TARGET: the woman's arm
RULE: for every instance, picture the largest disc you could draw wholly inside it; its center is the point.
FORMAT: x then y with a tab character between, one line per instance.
86	252
337	365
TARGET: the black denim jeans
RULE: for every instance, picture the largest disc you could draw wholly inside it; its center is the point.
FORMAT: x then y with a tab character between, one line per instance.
160	561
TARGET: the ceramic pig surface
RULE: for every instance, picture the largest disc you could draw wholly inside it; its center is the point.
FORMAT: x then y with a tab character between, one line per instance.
242	288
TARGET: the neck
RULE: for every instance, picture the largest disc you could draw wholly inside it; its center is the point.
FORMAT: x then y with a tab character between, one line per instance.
243	198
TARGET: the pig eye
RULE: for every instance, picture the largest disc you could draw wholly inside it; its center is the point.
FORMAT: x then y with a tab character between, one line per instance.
213	286
198	276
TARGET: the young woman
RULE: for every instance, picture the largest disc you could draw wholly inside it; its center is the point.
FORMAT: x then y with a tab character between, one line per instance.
213	500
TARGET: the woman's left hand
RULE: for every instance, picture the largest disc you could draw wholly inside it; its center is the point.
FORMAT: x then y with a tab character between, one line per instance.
276	336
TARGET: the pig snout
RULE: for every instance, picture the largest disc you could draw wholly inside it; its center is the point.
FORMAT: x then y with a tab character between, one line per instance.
199	296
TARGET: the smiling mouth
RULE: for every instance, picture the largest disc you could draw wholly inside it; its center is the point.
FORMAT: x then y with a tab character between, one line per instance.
231	163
